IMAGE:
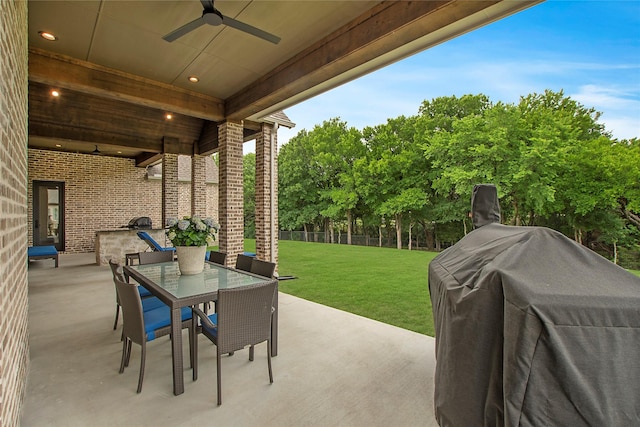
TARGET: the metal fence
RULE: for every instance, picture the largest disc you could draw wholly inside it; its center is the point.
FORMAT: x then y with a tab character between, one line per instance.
356	239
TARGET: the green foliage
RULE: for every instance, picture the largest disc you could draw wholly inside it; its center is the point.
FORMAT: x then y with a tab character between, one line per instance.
192	231
314	176
552	162
249	185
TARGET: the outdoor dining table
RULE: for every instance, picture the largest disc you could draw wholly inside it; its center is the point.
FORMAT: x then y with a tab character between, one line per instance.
164	281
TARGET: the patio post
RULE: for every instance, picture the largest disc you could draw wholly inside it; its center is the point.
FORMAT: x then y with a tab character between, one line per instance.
231	201
199	202
267	193
169	187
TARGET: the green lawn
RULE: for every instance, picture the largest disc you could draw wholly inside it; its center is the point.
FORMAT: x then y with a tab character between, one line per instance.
379	283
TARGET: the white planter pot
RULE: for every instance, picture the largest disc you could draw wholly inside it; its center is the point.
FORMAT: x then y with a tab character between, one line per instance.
191	259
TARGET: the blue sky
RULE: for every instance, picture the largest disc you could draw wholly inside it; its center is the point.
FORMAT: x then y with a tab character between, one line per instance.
588	49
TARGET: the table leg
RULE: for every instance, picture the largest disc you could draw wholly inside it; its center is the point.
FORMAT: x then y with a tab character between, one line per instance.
274	326
176	351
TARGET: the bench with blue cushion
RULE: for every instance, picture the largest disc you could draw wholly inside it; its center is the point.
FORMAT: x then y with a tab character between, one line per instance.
43	252
152	243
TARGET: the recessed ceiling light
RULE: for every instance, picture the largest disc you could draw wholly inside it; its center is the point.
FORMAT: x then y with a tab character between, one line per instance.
58	145
119	152
194	79
47	36
55	93
168	116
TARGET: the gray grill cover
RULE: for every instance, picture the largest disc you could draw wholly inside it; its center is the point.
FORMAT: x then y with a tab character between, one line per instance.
533	329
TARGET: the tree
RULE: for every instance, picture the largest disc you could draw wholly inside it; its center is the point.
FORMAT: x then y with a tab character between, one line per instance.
249	186
392	178
297	189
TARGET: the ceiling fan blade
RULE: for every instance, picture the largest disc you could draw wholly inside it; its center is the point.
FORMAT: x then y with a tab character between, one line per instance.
250	30
186	28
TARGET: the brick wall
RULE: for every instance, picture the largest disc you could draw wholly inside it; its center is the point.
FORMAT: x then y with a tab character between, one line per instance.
170	194
103	193
206	201
264	145
14	350
231	190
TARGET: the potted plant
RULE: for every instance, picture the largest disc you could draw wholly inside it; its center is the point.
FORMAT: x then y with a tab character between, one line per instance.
191	236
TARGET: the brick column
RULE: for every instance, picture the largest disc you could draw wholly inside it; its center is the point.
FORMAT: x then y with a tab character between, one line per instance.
14	305
230	190
169	187
267	195
199	200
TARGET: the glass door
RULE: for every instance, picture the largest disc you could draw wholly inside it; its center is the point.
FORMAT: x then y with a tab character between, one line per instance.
48	214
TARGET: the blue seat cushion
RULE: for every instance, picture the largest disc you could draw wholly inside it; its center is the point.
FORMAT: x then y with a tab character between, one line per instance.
41	250
144	292
214	319
152	303
159	318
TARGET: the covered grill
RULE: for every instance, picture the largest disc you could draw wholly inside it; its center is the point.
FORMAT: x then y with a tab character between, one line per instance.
140	223
532	329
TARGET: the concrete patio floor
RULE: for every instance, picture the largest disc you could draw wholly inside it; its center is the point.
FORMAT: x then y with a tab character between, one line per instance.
333	368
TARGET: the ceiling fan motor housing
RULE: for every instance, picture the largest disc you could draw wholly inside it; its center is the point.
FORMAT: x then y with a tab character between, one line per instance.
212	17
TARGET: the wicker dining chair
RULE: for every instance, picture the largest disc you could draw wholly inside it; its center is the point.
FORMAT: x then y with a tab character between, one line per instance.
243	262
152	258
142	326
149	302
243	319
262	268
218	257
155	257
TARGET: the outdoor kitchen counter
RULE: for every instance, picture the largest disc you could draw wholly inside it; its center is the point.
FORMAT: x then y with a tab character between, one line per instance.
114	244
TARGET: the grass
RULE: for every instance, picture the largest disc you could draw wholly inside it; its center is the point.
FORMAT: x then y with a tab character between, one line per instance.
384	284
379	283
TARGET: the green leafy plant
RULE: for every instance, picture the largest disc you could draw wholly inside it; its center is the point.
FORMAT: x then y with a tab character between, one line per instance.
192	231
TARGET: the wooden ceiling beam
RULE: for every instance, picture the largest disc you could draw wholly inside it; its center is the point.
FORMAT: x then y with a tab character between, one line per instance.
173	145
384	31
146	159
90	118
64	72
92	136
208	142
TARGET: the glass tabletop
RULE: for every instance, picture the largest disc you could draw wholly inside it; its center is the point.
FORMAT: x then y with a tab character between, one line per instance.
167	276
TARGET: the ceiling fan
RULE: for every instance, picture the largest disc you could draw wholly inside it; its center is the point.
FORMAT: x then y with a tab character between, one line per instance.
212	16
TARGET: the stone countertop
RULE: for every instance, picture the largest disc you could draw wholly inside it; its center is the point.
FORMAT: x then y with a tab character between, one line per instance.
115	230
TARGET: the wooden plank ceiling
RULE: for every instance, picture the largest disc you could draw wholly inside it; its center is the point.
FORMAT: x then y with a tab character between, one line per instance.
118	78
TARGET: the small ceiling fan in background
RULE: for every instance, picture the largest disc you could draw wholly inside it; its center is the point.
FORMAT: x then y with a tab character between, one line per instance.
212	16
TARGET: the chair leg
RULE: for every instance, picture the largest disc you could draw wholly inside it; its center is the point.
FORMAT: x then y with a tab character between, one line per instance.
269	361
129	342
142	360
124	354
251	353
218	362
115	323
